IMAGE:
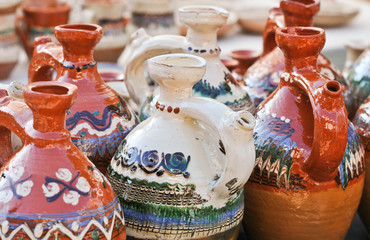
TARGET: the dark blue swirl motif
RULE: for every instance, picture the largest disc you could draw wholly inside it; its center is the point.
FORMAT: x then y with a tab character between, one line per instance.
266	86
13	185
205	89
153	162
67	186
104	123
272	138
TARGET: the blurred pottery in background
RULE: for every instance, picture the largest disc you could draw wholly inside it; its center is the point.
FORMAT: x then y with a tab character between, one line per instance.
74	200
109	14
362	123
175	173
9	44
155	16
263	77
335	13
100	119
38	18
201	40
245	58
6	148
354	48
308	177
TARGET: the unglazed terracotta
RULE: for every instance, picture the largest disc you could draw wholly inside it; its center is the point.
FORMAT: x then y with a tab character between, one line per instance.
263	77
201	40
9	46
309	171
362	123
110	15
39	19
155	16
100	119
49	189
359	78
175	174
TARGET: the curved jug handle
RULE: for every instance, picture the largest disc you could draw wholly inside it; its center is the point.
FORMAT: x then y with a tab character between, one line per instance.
47	57
330	131
274	21
235	130
141	48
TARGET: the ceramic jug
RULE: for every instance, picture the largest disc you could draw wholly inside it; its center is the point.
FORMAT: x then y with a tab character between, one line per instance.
180	173
39	19
110	15
263	77
9	46
362	121
155	16
309	170
100	119
354	48
201	40
49	189
359	78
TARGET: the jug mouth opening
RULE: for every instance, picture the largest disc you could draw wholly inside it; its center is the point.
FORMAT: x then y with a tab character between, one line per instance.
333	88
300	31
203	9
82	27
179	61
51	89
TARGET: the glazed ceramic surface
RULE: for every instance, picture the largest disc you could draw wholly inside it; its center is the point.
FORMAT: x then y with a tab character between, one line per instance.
49	189
100	119
201	40
110	15
362	121
6	149
155	16
39	19
263	77
309	171
354	48
359	78
9	46
175	173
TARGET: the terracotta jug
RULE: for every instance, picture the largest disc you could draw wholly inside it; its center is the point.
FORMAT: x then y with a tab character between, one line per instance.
359	78
201	40
49	189
39	19
175	173
362	122
263	77
110	15
9	46
100	119
309	171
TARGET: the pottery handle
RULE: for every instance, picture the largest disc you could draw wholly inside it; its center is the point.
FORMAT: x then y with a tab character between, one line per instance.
235	130
141	48
274	21
330	131
44	62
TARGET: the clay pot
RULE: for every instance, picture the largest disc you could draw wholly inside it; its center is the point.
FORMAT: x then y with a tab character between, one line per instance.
174	179
73	199
246	58
361	121
359	78
201	40
309	172
100	119
263	77
39	19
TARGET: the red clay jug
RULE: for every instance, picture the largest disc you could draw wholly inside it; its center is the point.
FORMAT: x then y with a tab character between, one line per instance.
100	119
263	77
49	189
362	123
309	169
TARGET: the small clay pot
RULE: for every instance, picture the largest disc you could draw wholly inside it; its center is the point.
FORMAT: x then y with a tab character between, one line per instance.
246	58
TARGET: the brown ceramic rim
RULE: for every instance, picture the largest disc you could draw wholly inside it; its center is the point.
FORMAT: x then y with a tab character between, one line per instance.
72	28
300	32
62	90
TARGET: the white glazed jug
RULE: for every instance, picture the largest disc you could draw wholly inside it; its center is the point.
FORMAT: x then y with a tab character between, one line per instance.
180	174
201	40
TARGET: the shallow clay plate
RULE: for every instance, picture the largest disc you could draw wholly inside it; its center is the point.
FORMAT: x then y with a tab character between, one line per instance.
334	14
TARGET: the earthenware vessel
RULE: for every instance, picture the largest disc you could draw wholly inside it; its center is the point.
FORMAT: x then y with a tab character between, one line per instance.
354	48
175	173
74	199
39	19
361	121
246	58
309	172
263	77
9	45
155	16
201	40
359	78
100	119
110	15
